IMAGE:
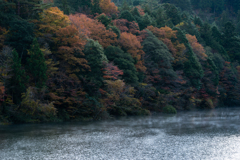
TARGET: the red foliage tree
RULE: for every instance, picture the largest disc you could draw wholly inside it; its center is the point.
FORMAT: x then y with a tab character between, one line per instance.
111	72
126	26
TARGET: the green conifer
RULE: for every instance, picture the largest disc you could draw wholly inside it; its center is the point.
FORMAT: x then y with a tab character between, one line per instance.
36	64
124	61
192	67
95	56
19	79
96	7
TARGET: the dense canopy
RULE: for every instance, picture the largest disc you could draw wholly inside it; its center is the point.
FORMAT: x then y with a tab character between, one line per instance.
79	60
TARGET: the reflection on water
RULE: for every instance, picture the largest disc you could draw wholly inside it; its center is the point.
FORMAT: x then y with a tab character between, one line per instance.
206	135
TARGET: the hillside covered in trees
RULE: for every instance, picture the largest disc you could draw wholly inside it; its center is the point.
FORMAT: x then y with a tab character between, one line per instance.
75	60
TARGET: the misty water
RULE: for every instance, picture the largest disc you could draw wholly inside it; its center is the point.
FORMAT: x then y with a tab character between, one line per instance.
210	134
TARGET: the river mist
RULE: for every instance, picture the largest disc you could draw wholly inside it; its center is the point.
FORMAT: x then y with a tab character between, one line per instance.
209	134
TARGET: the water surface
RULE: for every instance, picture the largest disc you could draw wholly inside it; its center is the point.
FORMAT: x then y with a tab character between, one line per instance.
194	135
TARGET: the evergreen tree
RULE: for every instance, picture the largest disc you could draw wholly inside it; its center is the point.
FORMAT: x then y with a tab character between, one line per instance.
146	21
124	61
65	7
231	42
95	56
183	4
104	20
172	13
19	79
192	67
7	13
96	7
216	34
36	65
80	4
224	18
135	12
125	6
127	15
20	36
160	17
205	4
238	16
233	4
158	59
198	21
206	33
218	6
115	30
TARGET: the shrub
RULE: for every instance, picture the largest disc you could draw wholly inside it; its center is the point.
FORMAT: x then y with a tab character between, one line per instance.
169	109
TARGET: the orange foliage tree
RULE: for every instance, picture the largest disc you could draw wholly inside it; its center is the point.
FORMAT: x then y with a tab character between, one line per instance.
108	7
66	44
132	45
197	47
70	50
90	28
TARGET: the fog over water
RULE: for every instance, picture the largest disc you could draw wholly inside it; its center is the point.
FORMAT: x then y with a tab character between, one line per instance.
210	134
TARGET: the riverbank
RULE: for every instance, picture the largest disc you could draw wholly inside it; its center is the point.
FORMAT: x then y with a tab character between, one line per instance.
104	116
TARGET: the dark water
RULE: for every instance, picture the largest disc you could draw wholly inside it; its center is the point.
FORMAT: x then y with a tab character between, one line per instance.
201	135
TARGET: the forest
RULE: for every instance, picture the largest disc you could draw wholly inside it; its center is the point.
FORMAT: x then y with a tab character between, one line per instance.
71	60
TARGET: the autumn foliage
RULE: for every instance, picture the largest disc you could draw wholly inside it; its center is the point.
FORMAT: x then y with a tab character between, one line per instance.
140	10
90	28
132	45
53	19
126	26
197	48
111	72
169	38
108	7
70	50
97	61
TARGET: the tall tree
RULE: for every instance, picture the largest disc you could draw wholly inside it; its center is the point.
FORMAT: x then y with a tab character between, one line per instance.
231	42
36	65
132	45
172	13
19	79
158	60
20	36
96	58
192	67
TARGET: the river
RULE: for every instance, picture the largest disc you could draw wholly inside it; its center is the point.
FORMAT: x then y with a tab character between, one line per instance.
205	135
